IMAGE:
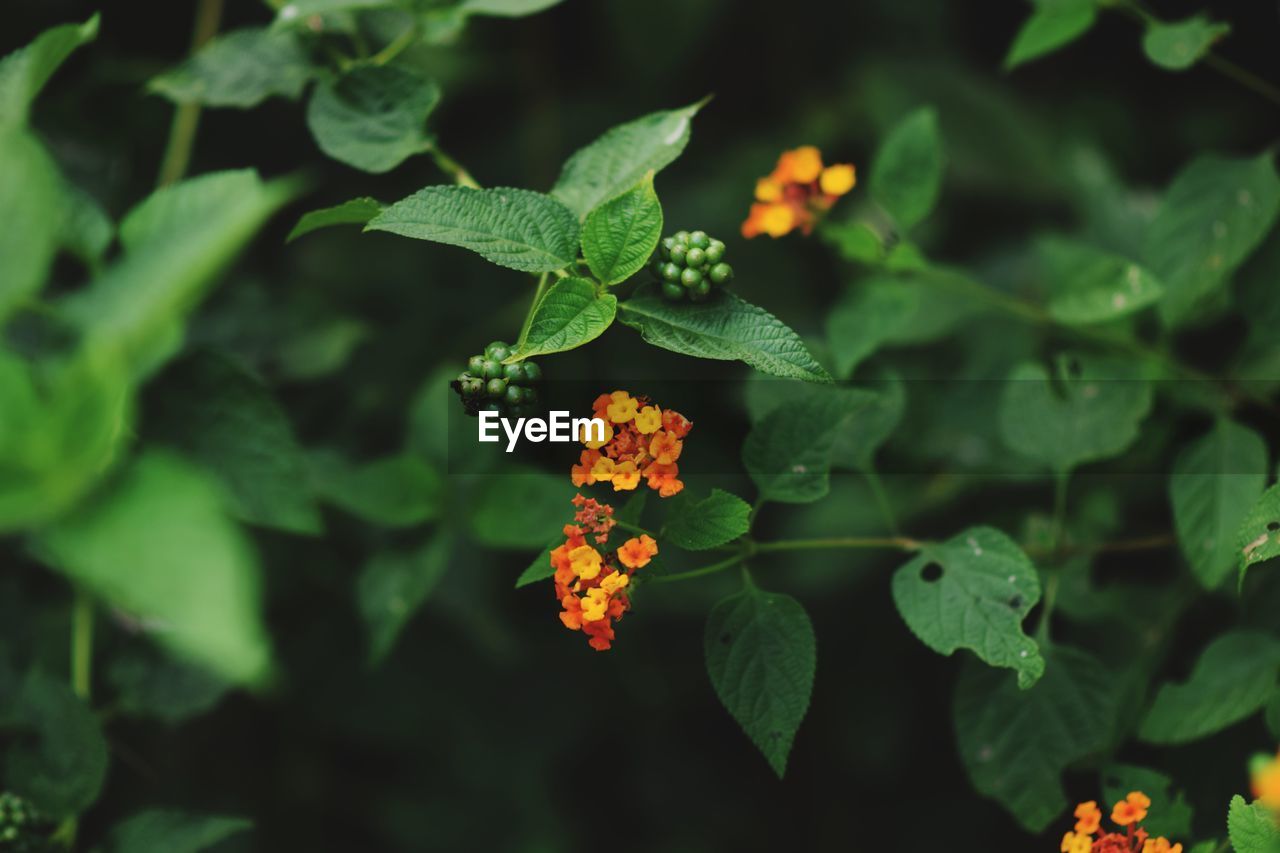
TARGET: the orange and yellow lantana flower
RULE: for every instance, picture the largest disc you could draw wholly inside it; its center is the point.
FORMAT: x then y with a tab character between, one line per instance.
1266	782
642	443
798	193
1089	837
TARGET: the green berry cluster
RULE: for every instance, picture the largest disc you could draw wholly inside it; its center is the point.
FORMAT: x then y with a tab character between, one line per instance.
491	386
688	264
22	829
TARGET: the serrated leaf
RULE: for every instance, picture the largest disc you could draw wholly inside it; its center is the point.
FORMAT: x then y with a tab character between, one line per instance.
1232	679
226	419
1214	214
394	491
166	831
906	174
1258	538
1170	814
571	313
761	655
1252	827
393	585
620	158
239	69
1053	24
1216	481
372	117
724	328
1178	46
29	183
716	519
1094	411
160	528
1088	285
357	211
24	72
518	229
619	236
973	592
1015	744
540	569
520	508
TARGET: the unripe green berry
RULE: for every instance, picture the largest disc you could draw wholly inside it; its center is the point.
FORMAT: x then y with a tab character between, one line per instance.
532	373
695	258
491	369
699	240
678	256
473	387
672	292
721	273
690	277
700	291
496	388
715	252
475	365
513	372
668	243
498	350
514	395
671	272
681	237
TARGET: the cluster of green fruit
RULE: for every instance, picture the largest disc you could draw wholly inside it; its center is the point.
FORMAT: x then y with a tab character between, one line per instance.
688	264
488	385
22	830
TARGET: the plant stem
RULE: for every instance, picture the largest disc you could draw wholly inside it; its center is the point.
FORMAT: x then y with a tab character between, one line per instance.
186	120
81	682
533	306
727	563
453	169
901	543
395	46
882	499
1050	598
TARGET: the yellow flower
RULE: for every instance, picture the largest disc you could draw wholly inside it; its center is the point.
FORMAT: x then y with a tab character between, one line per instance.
585	562
625	477
805	163
837	180
623	408
649	419
614	582
594	604
768	189
1075	842
596	445
777	219
1160	845
603	470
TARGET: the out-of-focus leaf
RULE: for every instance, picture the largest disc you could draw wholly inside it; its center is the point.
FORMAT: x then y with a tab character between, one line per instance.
240	69
24	72
571	313
149	683
906	174
358	211
506	8
393	585
1091	286
86	230
865	318
1053	24
619	236
30	188
373	116
520	508
1180	45
394	491
165	831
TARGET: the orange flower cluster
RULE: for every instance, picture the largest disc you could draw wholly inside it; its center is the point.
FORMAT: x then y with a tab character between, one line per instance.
1265	779
590	585
798	193
1129	814
640	441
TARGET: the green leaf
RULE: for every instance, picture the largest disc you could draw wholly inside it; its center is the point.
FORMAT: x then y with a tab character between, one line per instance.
394	491
373	116
719	518
393	585
1180	45
506	8
620	159
1216	481
619	236
788	453
866	318
1252	827
159	546
1053	24
24	72
358	211
1214	214
148	683
520	508
513	228
540	569
1091	286
1016	743
165	831
571	313
302	10
855	241
87	230
29	183
973	592
761	654
856	445
59	760
906	174
223	417
1170	814
1232	679
1094	411
725	328
1258	538
240	69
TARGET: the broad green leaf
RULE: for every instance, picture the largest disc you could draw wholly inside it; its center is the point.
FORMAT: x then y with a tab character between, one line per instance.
719	518
393	585
520	508
149	683
571	313
358	211
60	759
223	417
867	317
1091	286
856	445
1252	827
725	328
24	72
1170	814
506	8
1091	409
158	545
1052	25
1015	744
394	491
788	453
1232	679
973	592
540	569
1216	481
620	158
619	236
1258	538
855	241
240	69
761	655
1180	45
1214	214
906	174
373	117
165	831
513	228
31	189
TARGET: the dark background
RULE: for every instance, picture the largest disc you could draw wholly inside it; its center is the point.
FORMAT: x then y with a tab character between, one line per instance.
490	726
